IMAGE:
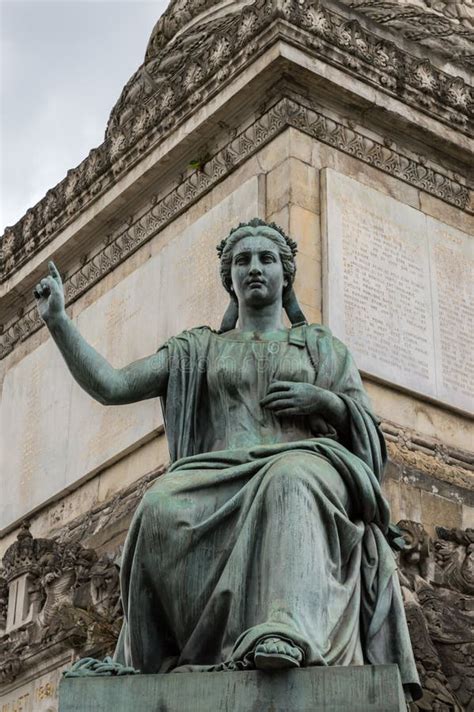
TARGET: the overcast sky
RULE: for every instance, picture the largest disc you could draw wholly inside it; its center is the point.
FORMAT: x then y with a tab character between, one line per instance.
63	65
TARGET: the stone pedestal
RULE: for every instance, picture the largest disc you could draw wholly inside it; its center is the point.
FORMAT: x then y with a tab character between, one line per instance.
333	689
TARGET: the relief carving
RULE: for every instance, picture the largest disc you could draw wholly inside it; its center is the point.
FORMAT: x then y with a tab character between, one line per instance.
3	603
437	579
71	600
444	25
454	554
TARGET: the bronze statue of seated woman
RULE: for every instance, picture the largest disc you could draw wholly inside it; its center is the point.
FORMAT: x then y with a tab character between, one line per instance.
264	545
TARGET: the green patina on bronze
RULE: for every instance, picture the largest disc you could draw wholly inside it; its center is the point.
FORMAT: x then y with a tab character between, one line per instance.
265	545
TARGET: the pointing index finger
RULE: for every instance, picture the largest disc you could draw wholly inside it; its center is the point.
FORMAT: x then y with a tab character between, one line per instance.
53	270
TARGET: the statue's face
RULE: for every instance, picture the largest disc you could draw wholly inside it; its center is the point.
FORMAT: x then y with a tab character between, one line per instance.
257	271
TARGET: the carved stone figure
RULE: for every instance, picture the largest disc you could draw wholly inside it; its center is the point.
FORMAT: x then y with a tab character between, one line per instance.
264	545
54	596
436	580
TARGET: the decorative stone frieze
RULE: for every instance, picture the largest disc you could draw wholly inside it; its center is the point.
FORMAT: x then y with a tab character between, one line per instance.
286	112
446	26
183	71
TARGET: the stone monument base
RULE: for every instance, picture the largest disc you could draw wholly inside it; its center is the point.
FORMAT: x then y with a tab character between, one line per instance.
333	689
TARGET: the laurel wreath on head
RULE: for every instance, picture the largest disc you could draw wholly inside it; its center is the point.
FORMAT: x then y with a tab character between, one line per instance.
258	222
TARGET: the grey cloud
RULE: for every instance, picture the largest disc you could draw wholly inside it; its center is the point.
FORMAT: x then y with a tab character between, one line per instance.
63	66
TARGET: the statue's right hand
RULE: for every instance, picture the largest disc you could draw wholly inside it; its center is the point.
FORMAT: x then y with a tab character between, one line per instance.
49	295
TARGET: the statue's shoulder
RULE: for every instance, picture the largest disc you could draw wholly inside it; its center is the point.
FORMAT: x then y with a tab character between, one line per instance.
320	332
319	329
197	331
196	336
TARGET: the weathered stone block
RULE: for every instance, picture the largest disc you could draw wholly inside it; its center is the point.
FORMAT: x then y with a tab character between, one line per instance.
331	689
292	181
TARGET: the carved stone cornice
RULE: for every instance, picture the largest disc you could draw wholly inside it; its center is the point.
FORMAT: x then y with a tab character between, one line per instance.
287	112
444	26
181	73
428	454
333	34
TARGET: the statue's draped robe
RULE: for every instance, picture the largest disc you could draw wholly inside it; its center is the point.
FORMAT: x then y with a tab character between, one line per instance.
263	525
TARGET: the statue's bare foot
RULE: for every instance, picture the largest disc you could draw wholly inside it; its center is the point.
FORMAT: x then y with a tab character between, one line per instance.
277	654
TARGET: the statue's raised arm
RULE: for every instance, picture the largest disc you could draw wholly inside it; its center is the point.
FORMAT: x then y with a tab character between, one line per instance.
145	378
265	544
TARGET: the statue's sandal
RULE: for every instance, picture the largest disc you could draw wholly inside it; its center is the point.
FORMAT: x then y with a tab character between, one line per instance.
276	654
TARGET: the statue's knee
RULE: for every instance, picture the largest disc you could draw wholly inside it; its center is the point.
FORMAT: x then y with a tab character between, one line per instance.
285	475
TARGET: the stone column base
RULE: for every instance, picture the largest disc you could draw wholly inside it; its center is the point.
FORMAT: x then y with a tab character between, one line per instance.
333	689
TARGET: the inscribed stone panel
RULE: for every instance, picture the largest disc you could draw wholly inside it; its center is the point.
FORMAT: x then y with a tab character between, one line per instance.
396	290
452	273
38	695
